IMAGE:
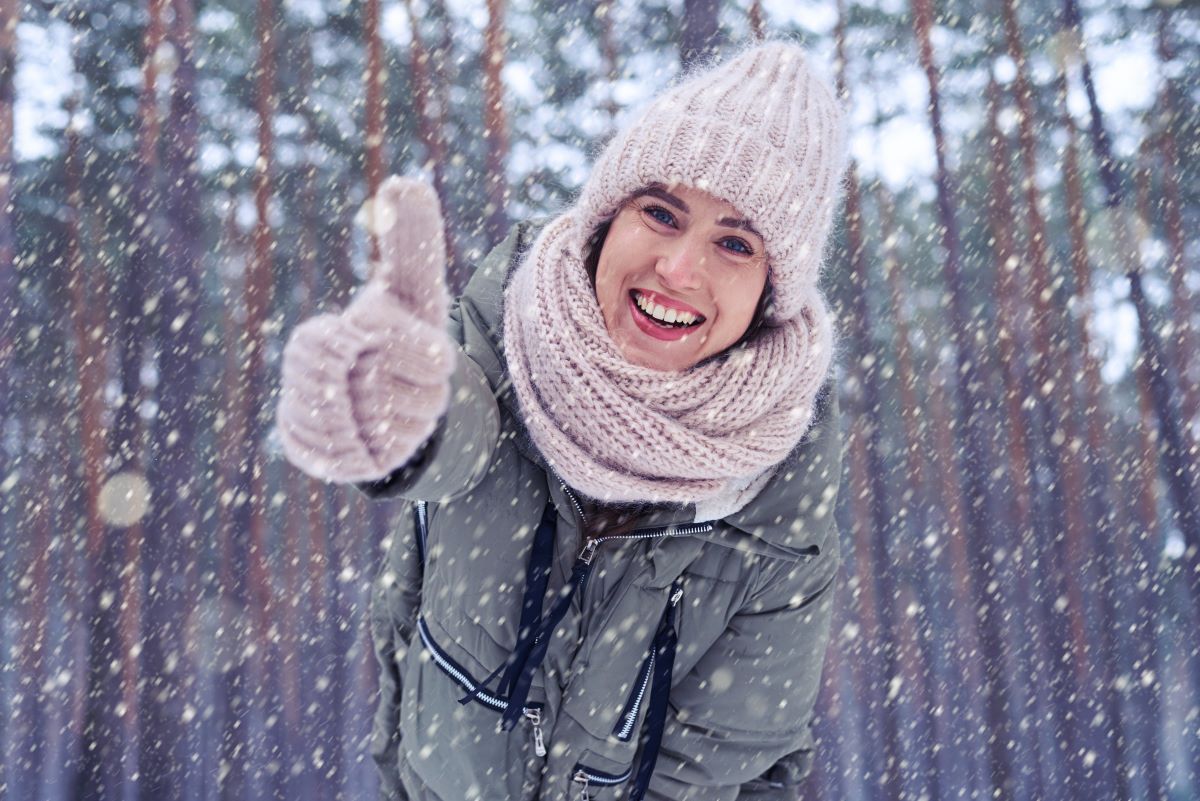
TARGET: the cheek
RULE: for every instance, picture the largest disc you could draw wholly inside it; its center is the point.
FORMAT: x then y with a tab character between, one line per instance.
741	295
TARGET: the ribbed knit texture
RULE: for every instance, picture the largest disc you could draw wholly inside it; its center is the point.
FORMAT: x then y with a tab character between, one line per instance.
761	132
764	134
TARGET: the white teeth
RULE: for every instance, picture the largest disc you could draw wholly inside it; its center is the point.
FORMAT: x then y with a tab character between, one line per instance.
660	312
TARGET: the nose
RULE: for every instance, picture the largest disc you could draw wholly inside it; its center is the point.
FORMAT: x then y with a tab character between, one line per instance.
680	266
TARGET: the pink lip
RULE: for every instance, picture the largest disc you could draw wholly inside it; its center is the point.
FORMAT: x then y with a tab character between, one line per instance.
654	329
668	303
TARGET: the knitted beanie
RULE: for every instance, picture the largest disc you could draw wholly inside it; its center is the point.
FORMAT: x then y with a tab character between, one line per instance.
762	132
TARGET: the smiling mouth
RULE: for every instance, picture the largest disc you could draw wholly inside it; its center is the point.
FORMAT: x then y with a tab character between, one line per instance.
662	316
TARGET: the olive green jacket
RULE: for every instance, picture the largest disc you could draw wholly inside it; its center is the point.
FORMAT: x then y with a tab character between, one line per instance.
752	622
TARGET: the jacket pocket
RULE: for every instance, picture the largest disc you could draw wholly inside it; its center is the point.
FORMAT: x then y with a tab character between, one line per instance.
532	711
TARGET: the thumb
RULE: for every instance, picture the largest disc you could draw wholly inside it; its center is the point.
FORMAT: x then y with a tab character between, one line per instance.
406	219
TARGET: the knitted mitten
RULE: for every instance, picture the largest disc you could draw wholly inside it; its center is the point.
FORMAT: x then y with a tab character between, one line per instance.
362	390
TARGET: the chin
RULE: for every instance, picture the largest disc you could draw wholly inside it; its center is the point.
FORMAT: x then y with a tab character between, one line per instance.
658	360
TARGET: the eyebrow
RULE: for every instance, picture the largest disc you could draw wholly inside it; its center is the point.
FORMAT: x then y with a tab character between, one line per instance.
656	190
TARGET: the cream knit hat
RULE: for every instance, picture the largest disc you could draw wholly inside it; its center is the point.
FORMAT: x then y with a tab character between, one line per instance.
762	132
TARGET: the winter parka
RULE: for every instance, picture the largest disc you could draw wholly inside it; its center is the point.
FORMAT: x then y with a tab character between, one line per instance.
521	659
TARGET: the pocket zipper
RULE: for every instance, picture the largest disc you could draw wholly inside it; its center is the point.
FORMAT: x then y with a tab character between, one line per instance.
533	712
586	776
624	728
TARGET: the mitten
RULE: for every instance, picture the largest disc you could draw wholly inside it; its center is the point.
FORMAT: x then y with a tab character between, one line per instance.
361	391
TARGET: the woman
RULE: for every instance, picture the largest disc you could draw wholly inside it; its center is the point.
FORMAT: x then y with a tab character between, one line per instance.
623	457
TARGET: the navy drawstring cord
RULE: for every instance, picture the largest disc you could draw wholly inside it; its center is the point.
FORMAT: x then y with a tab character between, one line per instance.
537	578
533	639
665	640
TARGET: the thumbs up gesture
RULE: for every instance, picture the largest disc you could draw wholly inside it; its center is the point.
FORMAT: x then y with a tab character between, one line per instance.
362	390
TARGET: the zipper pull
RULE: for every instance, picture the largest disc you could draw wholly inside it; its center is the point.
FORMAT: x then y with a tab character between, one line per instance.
675	596
535	717
589	551
581	777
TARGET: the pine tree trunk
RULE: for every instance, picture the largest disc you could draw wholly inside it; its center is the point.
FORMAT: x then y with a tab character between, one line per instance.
375	78
495	125
10	14
1012	317
1118	591
700	31
264	698
1179	465
1055	379
429	107
230	661
919	498
980	525
608	51
957	598
885	661
167	698
758	28
1183	303
869	684
1149	672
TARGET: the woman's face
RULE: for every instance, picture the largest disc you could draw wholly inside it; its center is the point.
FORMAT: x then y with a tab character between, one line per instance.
679	276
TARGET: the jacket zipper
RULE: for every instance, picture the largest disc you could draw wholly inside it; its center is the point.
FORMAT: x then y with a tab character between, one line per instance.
574	500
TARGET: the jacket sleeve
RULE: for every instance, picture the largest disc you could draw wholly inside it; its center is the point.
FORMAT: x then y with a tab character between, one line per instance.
739	724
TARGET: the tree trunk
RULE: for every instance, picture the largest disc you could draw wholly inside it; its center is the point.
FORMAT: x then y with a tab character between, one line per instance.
879	570
608	51
868	681
167	695
1183	304
980	526
429	107
1054	378
495	125
1180	466
375	77
700	32
10	15
1013	324
232	664
758	28
259	292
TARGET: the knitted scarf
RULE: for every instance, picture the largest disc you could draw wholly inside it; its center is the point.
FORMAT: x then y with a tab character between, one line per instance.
619	432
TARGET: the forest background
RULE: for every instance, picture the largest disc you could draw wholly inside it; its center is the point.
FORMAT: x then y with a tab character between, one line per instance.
183	615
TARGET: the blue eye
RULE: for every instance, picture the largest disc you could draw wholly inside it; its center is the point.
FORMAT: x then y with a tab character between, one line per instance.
660	214
745	250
